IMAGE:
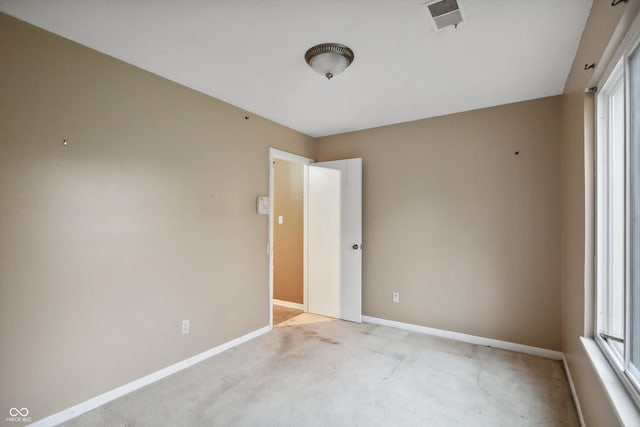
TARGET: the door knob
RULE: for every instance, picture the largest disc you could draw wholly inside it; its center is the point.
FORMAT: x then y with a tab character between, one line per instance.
355	246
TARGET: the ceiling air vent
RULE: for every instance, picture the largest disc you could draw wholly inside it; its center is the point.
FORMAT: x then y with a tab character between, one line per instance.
444	13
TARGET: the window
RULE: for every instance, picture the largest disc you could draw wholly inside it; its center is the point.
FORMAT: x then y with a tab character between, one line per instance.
618	219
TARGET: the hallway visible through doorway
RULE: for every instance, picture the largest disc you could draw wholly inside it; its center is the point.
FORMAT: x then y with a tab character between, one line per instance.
288	236
281	314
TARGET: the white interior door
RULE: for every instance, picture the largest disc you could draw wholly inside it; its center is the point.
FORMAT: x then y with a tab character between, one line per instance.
335	239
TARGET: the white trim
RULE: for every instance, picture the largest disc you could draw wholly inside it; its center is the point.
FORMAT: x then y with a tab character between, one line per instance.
290	157
305	241
274	153
574	394
288	304
99	400
619	397
471	339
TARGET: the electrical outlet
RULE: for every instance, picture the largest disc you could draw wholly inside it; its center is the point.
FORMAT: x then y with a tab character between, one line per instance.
395	297
185	326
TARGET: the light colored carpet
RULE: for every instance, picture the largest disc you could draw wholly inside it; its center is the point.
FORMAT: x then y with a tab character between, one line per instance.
338	373
282	314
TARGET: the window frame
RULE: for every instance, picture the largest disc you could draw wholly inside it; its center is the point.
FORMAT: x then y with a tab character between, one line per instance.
616	73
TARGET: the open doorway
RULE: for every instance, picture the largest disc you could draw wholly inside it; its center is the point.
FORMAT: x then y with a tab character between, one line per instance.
287	231
331	241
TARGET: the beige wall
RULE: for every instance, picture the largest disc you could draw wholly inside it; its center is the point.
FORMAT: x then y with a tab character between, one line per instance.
464	229
288	237
146	218
600	27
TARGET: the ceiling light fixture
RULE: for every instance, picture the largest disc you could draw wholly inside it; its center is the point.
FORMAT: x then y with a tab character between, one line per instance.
329	59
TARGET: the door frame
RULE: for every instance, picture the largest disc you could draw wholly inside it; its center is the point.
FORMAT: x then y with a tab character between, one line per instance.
275	153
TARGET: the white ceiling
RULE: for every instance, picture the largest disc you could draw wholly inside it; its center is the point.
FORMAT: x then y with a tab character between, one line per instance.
250	53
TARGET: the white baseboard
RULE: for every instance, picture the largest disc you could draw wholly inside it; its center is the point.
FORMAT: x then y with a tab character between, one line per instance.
288	304
471	339
574	394
93	403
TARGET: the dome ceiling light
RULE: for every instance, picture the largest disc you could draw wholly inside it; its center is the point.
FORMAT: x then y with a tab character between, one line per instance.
329	59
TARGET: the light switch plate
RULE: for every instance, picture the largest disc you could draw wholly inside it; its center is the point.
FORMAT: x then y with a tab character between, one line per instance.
263	205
